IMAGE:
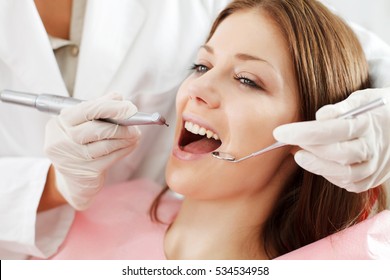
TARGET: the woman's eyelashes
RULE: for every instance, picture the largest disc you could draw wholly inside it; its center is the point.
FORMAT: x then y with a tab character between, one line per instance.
199	68
242	79
247	82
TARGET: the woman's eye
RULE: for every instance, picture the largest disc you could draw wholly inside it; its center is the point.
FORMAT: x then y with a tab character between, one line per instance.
247	82
199	68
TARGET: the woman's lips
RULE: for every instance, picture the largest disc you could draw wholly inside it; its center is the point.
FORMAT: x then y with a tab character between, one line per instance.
196	139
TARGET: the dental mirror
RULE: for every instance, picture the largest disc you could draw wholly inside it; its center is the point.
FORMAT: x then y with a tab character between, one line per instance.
229	157
350	114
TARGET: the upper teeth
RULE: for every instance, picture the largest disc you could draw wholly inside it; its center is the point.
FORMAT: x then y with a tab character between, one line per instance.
196	129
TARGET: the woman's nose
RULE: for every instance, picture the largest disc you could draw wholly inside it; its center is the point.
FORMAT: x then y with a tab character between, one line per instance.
205	91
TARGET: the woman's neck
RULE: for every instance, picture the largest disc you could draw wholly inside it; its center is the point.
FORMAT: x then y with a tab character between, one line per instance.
218	230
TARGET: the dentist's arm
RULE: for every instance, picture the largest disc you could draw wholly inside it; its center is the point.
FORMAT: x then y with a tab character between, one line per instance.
81	149
50	197
351	153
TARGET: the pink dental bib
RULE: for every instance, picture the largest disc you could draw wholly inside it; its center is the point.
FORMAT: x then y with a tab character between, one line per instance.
118	225
366	240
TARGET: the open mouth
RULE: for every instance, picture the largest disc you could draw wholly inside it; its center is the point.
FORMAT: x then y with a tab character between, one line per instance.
198	140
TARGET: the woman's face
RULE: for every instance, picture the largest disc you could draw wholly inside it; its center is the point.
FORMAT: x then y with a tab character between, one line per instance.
241	88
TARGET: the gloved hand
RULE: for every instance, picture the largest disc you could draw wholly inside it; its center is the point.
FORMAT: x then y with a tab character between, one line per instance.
351	153
82	148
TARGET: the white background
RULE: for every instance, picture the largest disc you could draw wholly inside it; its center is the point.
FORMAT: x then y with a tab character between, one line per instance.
374	15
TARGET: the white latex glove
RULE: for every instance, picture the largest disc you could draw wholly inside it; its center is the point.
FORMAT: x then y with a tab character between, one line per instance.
351	153
82	148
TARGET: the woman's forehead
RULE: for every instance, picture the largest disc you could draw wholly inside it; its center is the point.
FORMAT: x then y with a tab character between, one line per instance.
251	32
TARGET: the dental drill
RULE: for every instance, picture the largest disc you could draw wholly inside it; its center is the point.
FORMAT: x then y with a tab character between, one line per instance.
50	103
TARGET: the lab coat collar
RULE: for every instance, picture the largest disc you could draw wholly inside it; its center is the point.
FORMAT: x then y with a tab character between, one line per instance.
24	42
110	28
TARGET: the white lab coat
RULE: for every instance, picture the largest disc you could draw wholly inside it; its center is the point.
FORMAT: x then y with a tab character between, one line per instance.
141	49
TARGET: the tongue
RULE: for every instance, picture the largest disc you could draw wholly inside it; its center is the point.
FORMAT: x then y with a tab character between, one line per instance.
202	146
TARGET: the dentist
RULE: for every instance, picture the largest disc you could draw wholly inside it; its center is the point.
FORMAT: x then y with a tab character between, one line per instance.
86	49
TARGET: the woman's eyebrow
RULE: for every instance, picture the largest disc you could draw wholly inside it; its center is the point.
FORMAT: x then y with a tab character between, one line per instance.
246	57
207	48
240	56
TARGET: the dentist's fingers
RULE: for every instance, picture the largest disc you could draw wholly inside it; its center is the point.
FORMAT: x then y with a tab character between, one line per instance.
111	150
349	177
351	153
347	152
321	132
97	130
109	106
355	100
81	150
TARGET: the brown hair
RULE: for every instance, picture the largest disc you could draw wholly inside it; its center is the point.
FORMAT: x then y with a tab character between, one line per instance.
329	65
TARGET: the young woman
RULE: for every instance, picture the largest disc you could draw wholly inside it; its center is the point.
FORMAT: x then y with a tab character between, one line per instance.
265	63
